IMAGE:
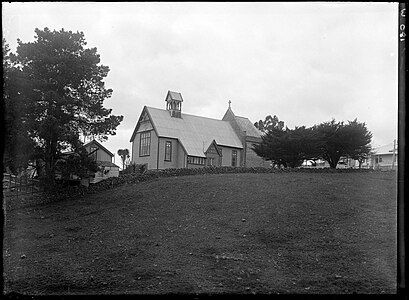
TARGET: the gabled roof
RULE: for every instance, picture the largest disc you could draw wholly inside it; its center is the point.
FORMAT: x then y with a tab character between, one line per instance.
194	133
215	147
246	125
99	146
174	96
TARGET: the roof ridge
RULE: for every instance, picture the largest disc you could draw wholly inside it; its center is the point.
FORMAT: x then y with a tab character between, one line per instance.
190	114
100	145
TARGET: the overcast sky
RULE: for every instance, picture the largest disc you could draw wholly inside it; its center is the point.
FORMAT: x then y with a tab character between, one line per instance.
304	62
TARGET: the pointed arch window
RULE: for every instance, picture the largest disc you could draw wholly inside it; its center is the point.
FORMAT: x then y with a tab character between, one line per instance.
168	151
234	158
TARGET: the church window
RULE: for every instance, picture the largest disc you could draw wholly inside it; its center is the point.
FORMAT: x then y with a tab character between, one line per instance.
145	144
168	151
195	160
234	158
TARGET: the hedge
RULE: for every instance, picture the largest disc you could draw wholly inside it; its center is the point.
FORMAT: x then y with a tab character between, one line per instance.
75	192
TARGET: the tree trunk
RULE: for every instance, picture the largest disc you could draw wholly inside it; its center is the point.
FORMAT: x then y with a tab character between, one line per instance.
332	160
50	160
332	164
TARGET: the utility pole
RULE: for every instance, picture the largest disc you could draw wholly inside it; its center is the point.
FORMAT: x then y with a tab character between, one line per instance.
393	154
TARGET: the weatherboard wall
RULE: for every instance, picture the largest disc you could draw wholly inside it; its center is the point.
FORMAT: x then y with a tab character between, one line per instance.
151	159
173	163
227	154
100	155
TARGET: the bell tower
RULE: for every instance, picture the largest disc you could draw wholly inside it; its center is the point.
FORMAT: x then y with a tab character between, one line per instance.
174	104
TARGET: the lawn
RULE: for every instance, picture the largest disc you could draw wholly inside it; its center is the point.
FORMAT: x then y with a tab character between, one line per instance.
226	233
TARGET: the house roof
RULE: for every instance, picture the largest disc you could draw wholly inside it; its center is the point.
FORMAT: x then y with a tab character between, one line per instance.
387	149
246	125
174	96
194	133
99	146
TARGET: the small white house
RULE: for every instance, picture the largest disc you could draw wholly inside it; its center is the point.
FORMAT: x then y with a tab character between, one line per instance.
384	158
103	157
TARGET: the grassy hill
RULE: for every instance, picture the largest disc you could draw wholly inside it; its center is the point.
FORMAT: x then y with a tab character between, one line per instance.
226	233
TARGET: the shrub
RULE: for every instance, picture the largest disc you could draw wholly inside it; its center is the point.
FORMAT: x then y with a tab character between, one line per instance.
74	192
134	168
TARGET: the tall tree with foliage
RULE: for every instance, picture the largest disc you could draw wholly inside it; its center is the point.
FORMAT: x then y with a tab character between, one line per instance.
63	92
357	140
124	154
289	147
269	124
17	144
339	139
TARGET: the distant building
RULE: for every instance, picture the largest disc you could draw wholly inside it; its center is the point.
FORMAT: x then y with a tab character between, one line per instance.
343	163
384	158
168	138
103	158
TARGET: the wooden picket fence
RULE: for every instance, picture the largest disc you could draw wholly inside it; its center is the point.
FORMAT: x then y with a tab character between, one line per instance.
14	186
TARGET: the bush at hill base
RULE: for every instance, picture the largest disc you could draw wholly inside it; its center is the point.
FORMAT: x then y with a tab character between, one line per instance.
74	192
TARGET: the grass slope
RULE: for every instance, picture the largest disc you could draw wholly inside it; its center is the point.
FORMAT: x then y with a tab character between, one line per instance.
228	233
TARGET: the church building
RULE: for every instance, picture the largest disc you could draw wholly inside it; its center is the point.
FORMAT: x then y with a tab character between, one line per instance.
168	138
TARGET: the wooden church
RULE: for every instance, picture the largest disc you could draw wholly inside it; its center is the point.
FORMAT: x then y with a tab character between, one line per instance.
168	138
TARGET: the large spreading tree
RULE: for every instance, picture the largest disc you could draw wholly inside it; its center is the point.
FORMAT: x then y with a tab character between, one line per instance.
329	141
61	89
288	147
343	140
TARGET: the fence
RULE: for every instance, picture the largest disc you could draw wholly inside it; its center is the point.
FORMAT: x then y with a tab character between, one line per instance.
14	186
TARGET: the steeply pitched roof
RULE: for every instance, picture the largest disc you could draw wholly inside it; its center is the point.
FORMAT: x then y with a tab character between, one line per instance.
99	146
174	96
246	125
195	133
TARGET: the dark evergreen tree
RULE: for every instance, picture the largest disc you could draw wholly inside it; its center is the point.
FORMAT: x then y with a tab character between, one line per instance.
62	91
339	139
18	147
329	141
289	147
